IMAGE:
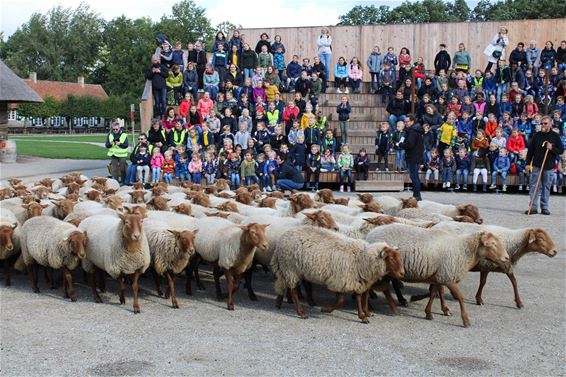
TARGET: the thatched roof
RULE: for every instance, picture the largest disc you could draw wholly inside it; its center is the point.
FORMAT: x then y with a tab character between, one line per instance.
13	88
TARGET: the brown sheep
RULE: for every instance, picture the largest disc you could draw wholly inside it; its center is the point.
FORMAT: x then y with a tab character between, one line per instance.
409	203
372	207
267	203
202	199
342	201
244	198
109	192
183	208
277	194
365	198
228	207
224	195
100	180
325	196
26	199
256	194
41	192
159	203
299	202
5	193
73	188
211	190
158	191
138	186
138	196
34	209
47	182
472	211
94	195
14	182
222	184
253	187
114	202
63	208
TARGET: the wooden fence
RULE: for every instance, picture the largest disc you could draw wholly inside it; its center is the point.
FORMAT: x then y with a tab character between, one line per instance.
421	39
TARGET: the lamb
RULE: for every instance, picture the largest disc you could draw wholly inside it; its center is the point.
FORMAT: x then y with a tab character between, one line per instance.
233	252
440	258
450	210
518	243
278	226
338	262
170	252
55	244
118	246
9	240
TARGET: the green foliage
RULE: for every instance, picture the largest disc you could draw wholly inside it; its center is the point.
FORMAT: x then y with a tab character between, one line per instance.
187	22
50	107
84	106
425	11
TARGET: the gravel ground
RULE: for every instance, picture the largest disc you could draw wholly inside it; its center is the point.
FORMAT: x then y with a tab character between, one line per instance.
44	334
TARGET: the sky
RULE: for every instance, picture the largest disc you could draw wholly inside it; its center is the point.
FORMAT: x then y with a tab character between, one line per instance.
13	13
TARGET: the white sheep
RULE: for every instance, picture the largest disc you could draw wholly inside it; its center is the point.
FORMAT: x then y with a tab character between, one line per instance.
9	240
422	214
451	210
439	258
233	251
52	243
350	211
118	246
517	242
327	258
391	205
170	251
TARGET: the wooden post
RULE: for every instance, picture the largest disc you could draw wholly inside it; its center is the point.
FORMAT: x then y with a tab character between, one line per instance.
132	117
546	81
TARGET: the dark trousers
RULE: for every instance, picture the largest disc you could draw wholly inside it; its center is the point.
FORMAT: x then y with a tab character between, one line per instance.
414	175
159	102
310	173
362	172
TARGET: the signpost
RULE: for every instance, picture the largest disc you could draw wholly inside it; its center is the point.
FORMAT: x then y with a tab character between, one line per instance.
132	117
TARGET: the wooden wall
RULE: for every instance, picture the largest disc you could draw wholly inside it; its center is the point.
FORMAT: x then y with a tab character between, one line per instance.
421	39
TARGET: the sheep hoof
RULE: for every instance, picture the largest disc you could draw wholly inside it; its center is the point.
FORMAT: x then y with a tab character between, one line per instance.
36	290
175	306
403	303
365	320
253	297
466	324
479	301
447	312
160	293
429	316
98	300
73	298
137	311
122	301
166	296
520	305
230	307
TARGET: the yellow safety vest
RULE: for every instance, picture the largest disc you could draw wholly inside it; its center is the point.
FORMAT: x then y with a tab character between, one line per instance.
273	118
116	150
179	137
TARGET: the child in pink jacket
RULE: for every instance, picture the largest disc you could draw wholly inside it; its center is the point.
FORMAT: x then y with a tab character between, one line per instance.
355	74
195	168
156	163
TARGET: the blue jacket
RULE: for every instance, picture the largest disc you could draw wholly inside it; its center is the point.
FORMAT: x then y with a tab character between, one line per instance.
341	71
502	162
177	57
343	112
375	62
219	59
524	127
391	59
268	164
463	163
294	70
466	127
299	154
505	106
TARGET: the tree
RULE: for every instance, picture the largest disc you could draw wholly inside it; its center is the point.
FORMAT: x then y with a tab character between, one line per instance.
48	108
459	11
365	15
187	22
60	45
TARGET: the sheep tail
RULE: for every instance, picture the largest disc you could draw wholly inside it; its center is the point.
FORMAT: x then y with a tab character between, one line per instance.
19	265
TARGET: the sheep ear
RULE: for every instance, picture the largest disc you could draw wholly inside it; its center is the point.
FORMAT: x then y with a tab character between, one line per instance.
14	225
532	235
310	215
366	219
174	232
195	231
44	205
363	206
484	237
382	253
66	239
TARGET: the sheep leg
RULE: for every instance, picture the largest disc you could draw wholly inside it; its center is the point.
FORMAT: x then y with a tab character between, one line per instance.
33	277
101	280
511	277
157	280
361	314
421	297
92	281
390	301
248	277
308	291
483	280
200	285
278	301
136	289
460	297
230	288
428	309
237	278
397	285
298	307
216	273
443	305
171	289
48	272
7	270
122	289
191	269
69	284
365	303
338	304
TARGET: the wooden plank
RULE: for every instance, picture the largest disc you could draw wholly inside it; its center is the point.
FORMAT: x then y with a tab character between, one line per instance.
396	185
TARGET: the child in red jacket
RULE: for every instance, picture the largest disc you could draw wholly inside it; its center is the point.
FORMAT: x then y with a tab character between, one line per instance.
515	145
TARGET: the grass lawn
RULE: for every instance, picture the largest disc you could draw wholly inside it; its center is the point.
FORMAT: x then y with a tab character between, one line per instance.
97	138
74	150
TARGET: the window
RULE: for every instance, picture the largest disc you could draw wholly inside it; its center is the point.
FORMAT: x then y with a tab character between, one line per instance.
13	115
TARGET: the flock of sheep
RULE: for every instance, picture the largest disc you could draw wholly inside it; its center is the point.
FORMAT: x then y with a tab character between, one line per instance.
359	245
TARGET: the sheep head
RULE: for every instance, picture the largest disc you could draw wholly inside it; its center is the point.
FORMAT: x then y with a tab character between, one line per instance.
109	192
74	197
491	248
322	219
409	203
100	180
98	187
256	194
158	191
138	186
342	201
136	210
202	199
540	241
228	207
114	202
244	198
77	243
241	189
183	208
325	196
5	193
196	187
26	199
159	203
14	182
223	215
253	187
73	188
267	203
34	209
187	185
277	194
372	207
76	222
42	192
211	189
7	237
47	182
254	235
64	207
222	184
365	198
22	193
463	219
186	239
393	262
94	195
224	195
132	231
470	210
300	202
380	220
138	196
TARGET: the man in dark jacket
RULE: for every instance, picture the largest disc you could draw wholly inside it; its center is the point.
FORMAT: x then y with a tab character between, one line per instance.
413	145
442	60
519	56
288	178
397	108
542	142
157	73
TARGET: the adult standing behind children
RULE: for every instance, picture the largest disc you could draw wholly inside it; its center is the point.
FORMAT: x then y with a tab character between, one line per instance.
542	142
414	148
495	51
442	60
324	44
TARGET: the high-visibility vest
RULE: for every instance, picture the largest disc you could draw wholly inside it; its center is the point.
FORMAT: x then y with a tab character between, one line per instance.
116	150
273	118
179	137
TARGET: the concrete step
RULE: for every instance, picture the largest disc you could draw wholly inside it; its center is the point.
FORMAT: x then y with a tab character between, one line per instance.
356	125
380	185
357	113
